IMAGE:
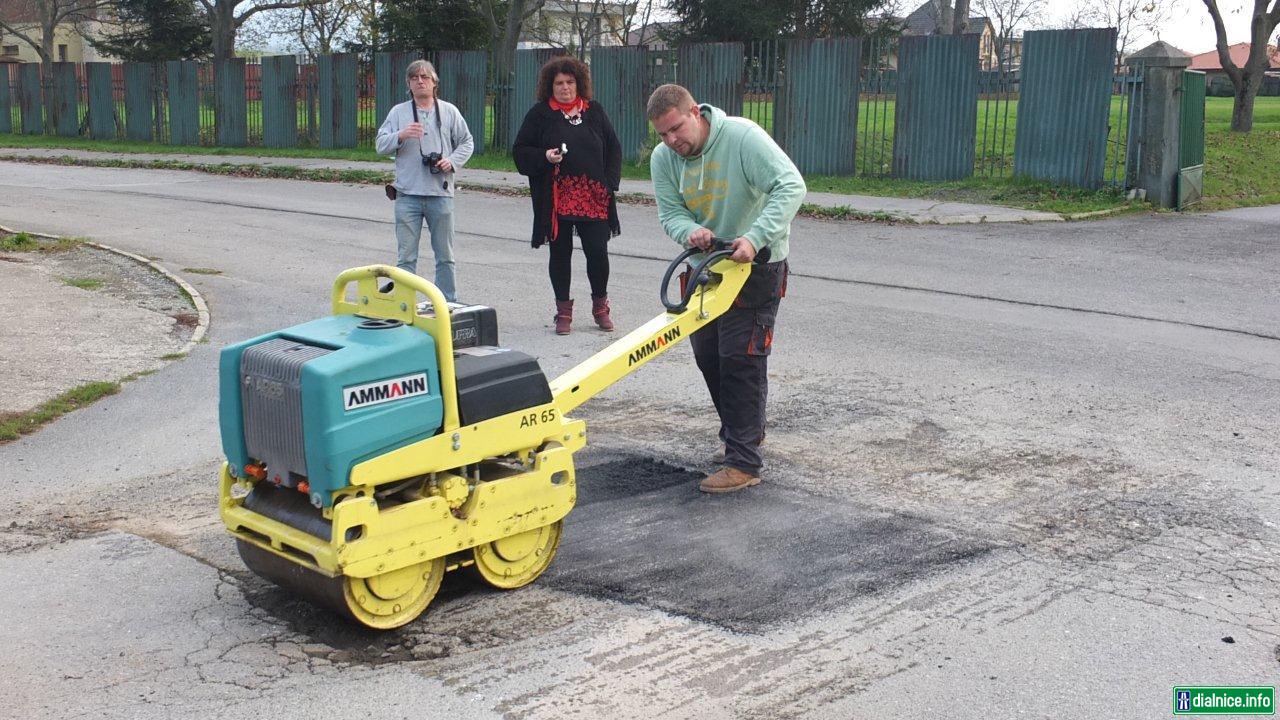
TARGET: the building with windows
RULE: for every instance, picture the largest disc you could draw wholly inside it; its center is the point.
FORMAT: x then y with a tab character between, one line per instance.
924	21
578	23
69	43
1216	78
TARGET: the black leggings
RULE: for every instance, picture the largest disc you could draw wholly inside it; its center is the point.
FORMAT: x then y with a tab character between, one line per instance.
595	245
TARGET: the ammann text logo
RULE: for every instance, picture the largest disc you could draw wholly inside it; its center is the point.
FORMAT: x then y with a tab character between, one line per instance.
1230	700
651	347
377	393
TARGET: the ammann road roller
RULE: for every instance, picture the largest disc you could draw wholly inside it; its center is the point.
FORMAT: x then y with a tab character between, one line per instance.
372	451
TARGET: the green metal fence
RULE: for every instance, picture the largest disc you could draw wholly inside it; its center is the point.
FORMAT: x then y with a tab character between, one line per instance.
182	90
915	107
935	122
230	106
463	76
101	104
815	116
279	89
1064	106
30	99
7	109
713	73
619	76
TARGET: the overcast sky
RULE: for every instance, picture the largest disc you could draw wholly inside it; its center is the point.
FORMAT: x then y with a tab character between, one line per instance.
1189	29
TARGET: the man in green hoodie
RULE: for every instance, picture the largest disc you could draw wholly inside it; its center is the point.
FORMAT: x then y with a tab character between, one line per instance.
716	176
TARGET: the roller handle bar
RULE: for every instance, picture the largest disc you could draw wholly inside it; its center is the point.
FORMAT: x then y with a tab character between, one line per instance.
720	248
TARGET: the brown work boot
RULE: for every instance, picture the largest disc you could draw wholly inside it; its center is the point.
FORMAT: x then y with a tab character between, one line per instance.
600	311
727	480
564	316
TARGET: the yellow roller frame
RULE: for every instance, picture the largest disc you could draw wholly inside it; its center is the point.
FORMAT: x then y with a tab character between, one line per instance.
508	516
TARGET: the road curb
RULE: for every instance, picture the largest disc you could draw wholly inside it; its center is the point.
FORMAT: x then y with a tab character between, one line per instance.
1099	213
202	308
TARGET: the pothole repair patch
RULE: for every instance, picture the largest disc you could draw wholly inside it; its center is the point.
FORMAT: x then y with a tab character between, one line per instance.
643	533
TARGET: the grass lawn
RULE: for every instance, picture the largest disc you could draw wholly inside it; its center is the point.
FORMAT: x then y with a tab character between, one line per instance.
1241	169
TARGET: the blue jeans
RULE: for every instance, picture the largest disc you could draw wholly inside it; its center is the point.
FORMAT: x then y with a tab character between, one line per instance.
437	211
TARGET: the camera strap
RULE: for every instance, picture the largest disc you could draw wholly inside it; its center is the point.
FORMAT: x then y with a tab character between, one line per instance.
413	103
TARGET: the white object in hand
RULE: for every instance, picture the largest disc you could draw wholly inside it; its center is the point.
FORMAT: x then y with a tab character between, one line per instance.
564	149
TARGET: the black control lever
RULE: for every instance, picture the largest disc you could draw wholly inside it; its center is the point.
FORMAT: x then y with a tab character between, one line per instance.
720	248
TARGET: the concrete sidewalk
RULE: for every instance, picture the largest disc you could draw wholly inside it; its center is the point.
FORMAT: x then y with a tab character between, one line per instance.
130	316
912	210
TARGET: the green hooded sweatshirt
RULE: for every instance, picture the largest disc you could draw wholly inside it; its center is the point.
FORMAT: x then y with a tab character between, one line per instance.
741	184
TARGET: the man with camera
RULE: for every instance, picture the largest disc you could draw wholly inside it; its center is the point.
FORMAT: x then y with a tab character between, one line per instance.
430	140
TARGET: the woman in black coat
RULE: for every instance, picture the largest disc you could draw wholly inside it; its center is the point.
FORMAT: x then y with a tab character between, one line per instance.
567	148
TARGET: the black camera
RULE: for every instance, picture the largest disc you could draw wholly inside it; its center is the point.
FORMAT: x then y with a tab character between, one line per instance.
432	161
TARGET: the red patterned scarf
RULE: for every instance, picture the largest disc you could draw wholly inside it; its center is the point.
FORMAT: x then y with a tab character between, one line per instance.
571	108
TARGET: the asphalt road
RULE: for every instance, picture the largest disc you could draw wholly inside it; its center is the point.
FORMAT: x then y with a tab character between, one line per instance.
1012	471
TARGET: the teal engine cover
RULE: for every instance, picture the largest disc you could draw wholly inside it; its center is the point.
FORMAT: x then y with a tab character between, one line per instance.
312	401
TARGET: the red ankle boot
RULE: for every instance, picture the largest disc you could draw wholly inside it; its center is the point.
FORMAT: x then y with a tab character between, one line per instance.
600	311
564	316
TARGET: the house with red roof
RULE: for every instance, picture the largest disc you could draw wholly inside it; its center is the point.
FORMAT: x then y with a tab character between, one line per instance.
1216	79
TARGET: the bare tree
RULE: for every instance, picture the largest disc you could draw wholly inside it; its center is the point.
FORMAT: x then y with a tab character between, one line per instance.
960	18
1246	80
1132	19
575	25
318	28
636	16
224	22
505	33
949	20
1078	15
46	16
589	23
1009	18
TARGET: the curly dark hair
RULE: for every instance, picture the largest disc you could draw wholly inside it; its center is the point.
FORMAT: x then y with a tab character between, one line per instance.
564	65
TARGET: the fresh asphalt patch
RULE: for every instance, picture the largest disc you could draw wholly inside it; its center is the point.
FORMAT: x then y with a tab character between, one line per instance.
642	533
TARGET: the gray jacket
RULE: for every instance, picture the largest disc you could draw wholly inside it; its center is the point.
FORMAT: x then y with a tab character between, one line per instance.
450	137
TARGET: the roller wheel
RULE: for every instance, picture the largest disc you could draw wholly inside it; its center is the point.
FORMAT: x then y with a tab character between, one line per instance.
515	561
381	602
393	599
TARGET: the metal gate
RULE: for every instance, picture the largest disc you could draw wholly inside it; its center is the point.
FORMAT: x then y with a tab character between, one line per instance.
279	101
184	102
712	72
390	88
619	80
817	115
1064	105
6	104
64	93
523	92
462	78
102	106
337	100
231	125
139	84
31	99
935	122
1191	139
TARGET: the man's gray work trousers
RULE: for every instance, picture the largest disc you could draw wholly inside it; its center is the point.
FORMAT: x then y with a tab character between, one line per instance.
733	354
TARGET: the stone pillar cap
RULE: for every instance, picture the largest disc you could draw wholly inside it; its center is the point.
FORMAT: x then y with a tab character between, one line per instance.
1160	54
